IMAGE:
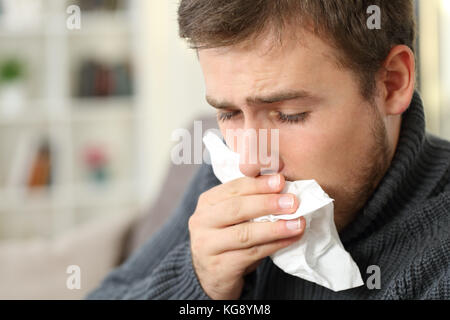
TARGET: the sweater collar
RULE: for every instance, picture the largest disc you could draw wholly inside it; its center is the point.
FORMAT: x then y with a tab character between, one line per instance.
395	190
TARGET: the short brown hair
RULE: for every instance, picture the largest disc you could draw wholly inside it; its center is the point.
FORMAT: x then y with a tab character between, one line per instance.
343	23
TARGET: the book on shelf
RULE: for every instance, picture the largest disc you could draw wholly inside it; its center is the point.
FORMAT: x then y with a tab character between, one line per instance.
40	174
106	5
31	164
102	80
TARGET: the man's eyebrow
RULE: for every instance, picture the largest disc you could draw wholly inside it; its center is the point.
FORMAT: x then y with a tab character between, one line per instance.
268	99
219	104
280	97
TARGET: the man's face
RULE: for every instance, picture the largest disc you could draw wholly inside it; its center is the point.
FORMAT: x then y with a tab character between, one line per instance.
327	131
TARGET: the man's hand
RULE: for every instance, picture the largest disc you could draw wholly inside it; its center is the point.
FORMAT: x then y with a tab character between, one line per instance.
225	245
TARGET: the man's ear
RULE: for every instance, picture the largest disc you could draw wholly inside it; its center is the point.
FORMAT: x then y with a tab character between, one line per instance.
397	81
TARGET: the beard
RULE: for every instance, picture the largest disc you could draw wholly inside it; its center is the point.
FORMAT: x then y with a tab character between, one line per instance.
366	176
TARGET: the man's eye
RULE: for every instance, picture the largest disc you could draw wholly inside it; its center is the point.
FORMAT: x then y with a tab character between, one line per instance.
224	116
292	118
283	118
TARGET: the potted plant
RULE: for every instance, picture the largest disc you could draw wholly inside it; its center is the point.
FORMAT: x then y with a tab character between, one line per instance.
12	87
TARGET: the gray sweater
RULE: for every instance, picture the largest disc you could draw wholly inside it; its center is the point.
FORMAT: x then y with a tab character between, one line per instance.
404	229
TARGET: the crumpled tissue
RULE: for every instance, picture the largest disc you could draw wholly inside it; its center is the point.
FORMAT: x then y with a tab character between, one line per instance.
319	255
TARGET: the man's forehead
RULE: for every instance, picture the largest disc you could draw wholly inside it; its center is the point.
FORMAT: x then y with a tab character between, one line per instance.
268	51
271	42
266	72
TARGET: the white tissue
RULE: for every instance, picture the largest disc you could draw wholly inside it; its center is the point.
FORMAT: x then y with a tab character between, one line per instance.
319	255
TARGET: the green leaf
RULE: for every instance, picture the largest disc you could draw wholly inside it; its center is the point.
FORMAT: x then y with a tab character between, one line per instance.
11	70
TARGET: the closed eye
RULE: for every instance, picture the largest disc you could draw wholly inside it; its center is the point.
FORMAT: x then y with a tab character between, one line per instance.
224	116
281	117
292	118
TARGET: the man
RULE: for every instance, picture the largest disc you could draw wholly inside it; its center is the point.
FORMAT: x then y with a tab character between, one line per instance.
342	96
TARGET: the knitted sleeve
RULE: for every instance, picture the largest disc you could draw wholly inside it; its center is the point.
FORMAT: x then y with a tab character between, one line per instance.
162	267
426	274
439	287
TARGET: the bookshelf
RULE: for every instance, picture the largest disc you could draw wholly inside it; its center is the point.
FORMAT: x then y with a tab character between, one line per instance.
92	137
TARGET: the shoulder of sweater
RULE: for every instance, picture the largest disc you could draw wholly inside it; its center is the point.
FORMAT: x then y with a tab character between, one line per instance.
439	149
204	180
438	142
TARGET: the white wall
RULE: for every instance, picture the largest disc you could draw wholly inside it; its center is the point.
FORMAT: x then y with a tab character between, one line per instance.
172	88
445	68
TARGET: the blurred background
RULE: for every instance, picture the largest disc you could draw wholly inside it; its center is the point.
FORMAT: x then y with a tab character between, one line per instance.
86	118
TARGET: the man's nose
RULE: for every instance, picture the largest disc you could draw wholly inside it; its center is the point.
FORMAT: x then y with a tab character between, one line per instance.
250	170
258	158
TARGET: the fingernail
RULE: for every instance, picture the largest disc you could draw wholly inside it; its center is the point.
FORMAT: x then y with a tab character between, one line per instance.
274	181
293	224
286	202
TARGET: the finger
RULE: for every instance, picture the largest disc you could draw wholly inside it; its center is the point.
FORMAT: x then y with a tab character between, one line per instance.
262	251
251	234
242	209
246	257
245	186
